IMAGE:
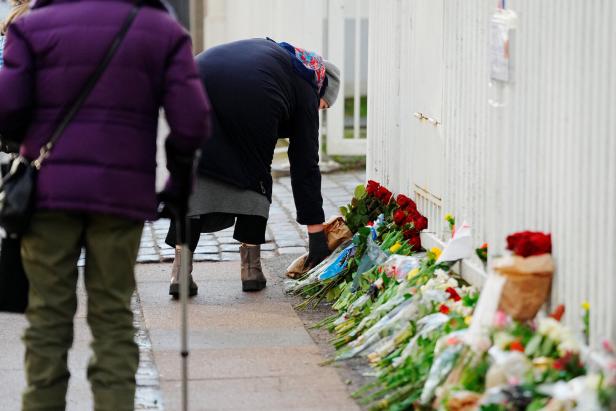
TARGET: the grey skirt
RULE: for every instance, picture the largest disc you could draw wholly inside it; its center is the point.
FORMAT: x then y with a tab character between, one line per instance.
214	196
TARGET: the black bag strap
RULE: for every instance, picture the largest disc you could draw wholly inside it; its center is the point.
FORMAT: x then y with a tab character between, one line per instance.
89	86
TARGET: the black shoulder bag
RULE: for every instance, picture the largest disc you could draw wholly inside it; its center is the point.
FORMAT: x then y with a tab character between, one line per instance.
18	187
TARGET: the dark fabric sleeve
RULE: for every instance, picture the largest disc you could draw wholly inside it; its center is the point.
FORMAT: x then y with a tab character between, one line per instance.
187	110
16	83
304	159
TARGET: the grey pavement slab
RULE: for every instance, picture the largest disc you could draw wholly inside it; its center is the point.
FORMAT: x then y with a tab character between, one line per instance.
248	350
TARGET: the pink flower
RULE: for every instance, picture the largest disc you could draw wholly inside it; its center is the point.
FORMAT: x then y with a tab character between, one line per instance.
453	341
514	381
500	319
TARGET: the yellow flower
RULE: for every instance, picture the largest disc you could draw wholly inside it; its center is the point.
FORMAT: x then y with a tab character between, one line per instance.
468	319
394	248
586	305
448	217
412	273
436	251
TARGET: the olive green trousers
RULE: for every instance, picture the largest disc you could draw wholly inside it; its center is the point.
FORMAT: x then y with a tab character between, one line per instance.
50	252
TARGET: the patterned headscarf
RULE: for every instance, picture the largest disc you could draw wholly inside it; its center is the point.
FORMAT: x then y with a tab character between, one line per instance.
312	63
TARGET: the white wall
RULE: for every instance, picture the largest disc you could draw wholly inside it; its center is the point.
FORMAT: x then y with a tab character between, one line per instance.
542	156
302	23
297	22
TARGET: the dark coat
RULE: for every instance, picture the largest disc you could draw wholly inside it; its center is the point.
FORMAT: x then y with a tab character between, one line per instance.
257	97
105	162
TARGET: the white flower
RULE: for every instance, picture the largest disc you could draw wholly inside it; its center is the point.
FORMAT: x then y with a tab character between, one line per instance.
452	282
549	327
569	344
434	296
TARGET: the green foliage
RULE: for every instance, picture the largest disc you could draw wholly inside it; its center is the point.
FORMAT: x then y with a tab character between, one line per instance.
360	191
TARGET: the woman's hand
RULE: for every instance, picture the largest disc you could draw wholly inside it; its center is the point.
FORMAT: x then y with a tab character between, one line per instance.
317	248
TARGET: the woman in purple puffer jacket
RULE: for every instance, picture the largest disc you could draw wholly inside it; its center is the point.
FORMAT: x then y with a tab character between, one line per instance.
98	185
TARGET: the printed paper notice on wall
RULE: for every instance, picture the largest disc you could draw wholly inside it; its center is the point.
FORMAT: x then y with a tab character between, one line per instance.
502	27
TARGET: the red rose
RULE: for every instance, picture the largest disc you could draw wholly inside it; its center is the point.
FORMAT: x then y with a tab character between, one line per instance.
558	312
399	217
410	233
415	243
403	200
443	309
559	364
384	194
421	223
412	216
411	207
542	243
453	294
514	240
528	243
372	187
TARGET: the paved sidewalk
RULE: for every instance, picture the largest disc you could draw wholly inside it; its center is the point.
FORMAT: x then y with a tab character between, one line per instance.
248	351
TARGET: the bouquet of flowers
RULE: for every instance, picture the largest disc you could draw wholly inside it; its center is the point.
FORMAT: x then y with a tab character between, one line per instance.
409	220
529	274
367	204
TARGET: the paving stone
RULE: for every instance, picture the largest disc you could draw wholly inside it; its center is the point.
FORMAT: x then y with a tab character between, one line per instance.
289	234
292	250
230	257
268	254
269	237
206	249
268	247
299	242
206	257
148	258
164	246
230	248
228	241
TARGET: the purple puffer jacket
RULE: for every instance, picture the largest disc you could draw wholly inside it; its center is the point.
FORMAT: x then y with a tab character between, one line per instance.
105	162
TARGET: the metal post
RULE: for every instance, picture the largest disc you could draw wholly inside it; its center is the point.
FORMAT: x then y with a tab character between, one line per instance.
184	258
182	240
197	17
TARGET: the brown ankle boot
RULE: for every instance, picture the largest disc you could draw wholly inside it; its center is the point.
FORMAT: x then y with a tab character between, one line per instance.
252	275
174	287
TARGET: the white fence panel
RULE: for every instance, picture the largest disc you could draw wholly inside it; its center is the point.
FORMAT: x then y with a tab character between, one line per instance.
383	163
338	43
300	23
537	153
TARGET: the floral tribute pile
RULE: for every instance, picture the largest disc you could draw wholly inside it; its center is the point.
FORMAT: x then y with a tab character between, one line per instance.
402	309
